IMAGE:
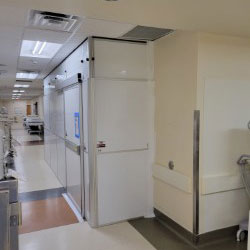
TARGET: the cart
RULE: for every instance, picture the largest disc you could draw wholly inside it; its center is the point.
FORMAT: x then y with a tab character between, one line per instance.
244	163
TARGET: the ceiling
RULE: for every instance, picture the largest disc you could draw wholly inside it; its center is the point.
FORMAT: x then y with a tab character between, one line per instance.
18	29
102	18
218	16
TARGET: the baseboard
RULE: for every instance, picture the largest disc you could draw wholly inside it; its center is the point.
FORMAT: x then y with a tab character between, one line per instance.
175	227
189	237
229	232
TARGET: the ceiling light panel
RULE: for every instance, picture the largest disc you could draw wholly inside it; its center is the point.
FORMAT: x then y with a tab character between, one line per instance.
26	75
21	86
39	49
18	91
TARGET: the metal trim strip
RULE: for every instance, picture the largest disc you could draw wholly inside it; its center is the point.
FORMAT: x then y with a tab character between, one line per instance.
72	146
196	175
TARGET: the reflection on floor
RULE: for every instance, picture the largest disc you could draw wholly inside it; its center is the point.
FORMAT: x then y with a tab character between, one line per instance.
34	172
45	214
80	236
21	135
41	194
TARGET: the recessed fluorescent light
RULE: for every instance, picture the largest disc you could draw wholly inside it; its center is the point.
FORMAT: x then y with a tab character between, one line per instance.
39	49
22	75
18	91
36	47
21	86
42	48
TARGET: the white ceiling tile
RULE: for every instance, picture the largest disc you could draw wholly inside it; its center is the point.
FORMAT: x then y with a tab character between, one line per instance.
46	35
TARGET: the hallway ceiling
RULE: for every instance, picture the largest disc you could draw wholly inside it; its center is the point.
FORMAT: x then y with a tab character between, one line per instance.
229	17
108	18
17	29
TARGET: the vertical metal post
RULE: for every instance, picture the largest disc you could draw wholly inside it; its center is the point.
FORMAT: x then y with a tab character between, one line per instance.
5	220
82	150
196	158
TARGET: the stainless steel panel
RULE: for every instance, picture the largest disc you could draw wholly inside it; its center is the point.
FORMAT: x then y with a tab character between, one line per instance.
72	146
12	186
82	152
196	192
10	214
15	222
4	225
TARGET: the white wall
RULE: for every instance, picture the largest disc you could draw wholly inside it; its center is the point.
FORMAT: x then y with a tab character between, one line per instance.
209	73
223	98
176	79
16	108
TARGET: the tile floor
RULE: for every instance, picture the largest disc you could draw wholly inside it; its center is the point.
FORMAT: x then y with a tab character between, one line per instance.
45	214
142	234
81	237
40	215
164	239
34	173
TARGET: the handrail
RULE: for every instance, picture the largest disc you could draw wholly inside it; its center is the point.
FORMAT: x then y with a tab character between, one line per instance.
244	160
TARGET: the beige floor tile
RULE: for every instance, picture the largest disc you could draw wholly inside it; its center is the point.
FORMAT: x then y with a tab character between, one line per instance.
81	237
34	173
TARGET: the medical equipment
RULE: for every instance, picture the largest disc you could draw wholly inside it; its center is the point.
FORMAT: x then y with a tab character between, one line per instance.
7	150
34	124
244	164
10	212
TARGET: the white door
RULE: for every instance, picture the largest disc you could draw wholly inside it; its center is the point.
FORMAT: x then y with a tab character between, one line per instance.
72	135
121	109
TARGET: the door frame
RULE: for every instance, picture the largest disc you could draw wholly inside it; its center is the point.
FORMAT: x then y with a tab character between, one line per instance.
63	86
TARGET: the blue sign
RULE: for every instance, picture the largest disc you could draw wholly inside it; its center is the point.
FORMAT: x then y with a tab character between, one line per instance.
77	125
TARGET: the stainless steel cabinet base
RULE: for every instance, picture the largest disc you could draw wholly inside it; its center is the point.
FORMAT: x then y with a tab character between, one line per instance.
10	214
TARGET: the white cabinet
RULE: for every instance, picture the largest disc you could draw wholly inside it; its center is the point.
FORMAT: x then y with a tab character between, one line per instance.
118	59
74	63
115	141
121	186
121	109
122	127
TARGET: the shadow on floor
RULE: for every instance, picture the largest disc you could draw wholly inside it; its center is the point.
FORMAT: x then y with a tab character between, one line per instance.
164	239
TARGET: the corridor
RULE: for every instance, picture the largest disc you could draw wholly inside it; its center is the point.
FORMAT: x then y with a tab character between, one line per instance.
46	214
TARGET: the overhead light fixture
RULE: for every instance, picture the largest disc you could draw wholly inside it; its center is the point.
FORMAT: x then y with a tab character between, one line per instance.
26	75
18	91
38	49
21	86
42	48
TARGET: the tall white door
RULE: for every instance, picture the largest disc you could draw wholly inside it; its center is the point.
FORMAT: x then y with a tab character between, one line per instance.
72	135
121	110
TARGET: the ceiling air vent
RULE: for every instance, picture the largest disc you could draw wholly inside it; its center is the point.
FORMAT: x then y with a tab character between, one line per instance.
143	33
53	21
